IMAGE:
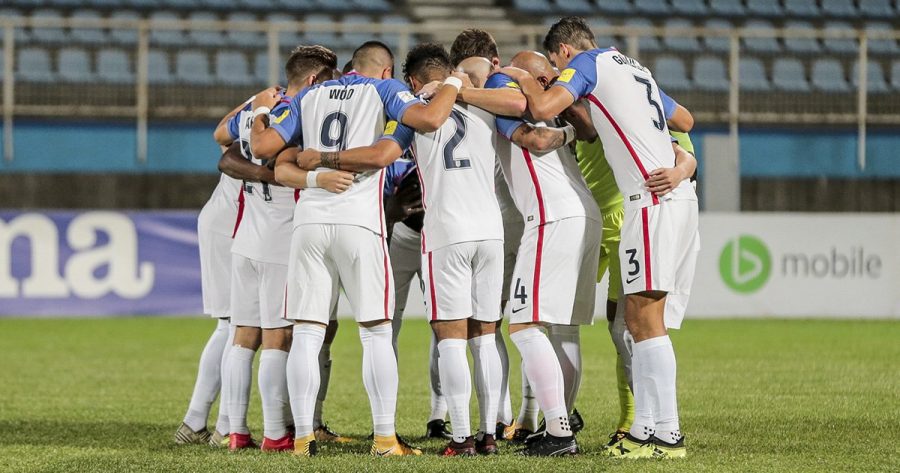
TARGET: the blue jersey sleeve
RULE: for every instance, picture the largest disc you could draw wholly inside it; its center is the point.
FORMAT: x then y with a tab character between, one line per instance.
396	97
668	104
505	125
400	133
580	77
286	121
508	125
234	123
499	81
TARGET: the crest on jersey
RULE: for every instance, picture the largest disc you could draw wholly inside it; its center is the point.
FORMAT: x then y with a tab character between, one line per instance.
406	96
566	75
283	115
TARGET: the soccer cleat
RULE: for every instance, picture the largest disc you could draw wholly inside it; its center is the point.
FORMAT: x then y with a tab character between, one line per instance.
306	446
240	442
219	440
506	432
665	450
392	446
576	422
521	435
278	445
325	434
614	438
437	429
186	436
485	444
457	449
630	447
551	446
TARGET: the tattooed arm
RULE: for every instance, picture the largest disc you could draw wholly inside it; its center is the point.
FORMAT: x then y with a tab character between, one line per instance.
365	158
540	139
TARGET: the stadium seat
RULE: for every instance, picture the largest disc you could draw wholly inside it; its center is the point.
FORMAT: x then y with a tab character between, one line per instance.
180	4
204	37
845	45
841	8
574	7
615	7
257	5
246	39
287	38
374	6
727	7
232	68
875	83
828	76
788	75
159	68
298	5
219	4
192	67
877	9
261	69
646	43
801	44
108	4
74	65
764	7
709	74
143	4
352	35
393	39
33	65
88	35
670	73
114	67
680	42
690	7
603	40
21	34
65	3
533	6
166	37
326	38
761	44
652	7
124	36
801	8
48	35
752	75
881	45
895	75
719	44
342	6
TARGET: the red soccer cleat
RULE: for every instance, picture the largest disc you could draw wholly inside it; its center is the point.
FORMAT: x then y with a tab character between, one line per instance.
240	441
283	444
463	449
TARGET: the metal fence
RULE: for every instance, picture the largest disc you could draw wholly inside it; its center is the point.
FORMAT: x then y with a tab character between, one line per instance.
727	76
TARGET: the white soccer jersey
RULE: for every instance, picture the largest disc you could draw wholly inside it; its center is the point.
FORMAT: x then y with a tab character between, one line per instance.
456	170
341	114
219	212
629	111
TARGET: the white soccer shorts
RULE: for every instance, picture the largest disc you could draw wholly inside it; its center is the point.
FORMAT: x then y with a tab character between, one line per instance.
257	293
326	257
406	261
215	272
658	252
555	279
464	280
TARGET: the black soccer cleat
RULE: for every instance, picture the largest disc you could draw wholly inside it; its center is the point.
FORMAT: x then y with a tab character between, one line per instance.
485	444
576	422
460	449
438	429
550	446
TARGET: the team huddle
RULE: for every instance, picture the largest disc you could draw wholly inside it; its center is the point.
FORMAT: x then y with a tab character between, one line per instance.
507	191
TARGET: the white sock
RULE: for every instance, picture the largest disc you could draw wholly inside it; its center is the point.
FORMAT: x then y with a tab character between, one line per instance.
379	366
456	385
438	404
643	426
658	369
209	378
222	425
240	377
566	341
504	412
303	375
545	378
325	377
487	380
272	381
528	411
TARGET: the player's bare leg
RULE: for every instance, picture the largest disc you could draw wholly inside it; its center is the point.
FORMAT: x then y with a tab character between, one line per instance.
303	380
488	379
206	388
451	336
238	377
273	390
321	429
506	426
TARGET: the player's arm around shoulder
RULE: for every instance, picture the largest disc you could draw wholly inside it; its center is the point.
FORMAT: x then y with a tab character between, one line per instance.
500	96
289	174
428	117
234	165
542	104
542	139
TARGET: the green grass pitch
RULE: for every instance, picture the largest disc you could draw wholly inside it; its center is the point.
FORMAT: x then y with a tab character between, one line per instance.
761	395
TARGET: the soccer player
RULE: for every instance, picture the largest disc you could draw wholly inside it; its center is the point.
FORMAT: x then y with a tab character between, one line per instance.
659	241
339	239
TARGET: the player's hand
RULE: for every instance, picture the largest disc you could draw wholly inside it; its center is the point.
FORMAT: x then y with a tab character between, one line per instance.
335	181
515	73
466	80
428	90
664	180
309	159
267	98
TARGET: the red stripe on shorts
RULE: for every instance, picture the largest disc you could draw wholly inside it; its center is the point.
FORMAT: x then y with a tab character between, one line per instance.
431	287
539	250
648	276
240	214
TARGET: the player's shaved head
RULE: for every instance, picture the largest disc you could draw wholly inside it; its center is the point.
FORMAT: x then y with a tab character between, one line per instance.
427	62
306	61
535	63
474	42
478	69
372	58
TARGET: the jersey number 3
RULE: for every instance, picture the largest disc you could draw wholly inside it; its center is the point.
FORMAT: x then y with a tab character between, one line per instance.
451	162
660	123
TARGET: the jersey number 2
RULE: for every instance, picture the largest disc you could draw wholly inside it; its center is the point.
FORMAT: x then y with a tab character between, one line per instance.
660	122
449	161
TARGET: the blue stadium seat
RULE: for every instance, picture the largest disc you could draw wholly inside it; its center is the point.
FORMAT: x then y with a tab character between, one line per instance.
114	67
180	4
764	44
290	37
680	42
124	36
327	37
841	8
753	75
219	4
670	73
354	36
192	67
110	4
342	6
232	68
143	4
603	40
895	75
574	7
798	44
48	35
877	9
727	7
204	37
881	45
801	8
247	39
74	65
298	5
64	3
875	83
615	7
393	39
533	6
844	45
88	35
261	69
764	7
719	44
374	6
828	76
788	75
690	7
166	37
21	34
159	68
709	74
652	7
646	43
33	65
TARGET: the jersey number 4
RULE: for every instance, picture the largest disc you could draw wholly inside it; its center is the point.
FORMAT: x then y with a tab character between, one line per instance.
451	162
660	122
